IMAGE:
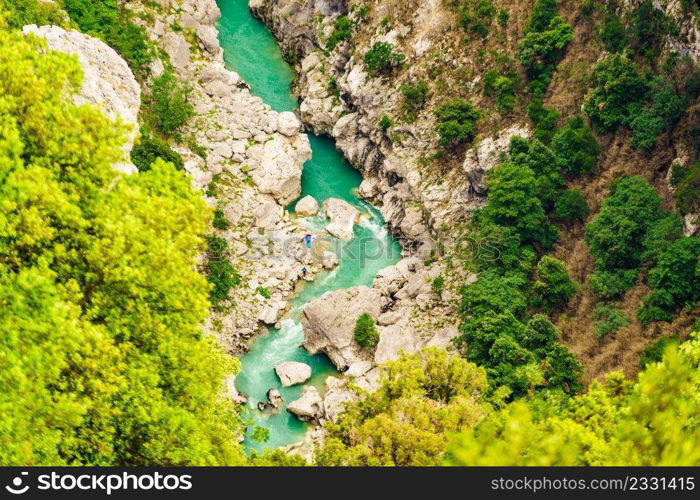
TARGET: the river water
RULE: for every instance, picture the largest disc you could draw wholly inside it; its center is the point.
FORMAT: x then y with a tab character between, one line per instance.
251	51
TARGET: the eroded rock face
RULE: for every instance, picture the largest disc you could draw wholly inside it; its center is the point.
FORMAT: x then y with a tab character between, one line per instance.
343	217
329	324
293	373
108	83
308	407
487	154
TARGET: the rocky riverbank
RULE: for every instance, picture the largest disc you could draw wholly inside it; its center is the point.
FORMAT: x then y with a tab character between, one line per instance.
248	162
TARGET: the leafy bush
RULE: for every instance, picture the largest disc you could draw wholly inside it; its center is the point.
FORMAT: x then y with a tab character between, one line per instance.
688	191
571	206
609	284
660	235
514	201
538	51
675	281
169	105
649	27
576	148
438	285
543	11
543	163
457	122
342	32
415	97
618	90
381	58
366	333
553	288
610	320
622	96
502	87
264	292
653	353
475	16
612	33
148	149
220	221
385	122
494	294
113	24
19	13
221	274
662	111
615	236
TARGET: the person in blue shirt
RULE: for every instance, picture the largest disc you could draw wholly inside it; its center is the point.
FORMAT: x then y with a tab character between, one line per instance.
308	240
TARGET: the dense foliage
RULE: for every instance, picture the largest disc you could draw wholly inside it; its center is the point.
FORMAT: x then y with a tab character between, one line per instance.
104	359
456	122
622	95
422	398
650	422
169	104
113	23
148	149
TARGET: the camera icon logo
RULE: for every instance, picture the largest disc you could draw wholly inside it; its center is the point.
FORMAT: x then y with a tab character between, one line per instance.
16	488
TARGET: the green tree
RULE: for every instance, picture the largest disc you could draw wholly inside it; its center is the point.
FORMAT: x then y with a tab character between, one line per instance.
145	152
616	235
571	206
113	24
421	399
456	122
169	104
97	277
675	281
366	333
553	287
382	58
514	201
576	148
650	422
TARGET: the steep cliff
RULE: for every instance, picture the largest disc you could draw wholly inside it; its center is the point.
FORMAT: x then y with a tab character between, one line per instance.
385	121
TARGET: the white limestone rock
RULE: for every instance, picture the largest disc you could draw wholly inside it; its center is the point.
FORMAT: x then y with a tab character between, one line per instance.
293	373
308	407
108	83
343	217
329	324
306	207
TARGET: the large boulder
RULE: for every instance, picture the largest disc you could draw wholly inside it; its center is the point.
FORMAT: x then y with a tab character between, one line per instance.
288	124
293	372
108	83
278	172
306	207
343	217
308	407
329	324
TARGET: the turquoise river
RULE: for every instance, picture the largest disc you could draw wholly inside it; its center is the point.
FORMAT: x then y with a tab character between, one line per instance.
252	52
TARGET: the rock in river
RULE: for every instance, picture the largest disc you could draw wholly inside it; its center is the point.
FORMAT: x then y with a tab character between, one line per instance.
308	407
306	207
329	323
293	372
343	217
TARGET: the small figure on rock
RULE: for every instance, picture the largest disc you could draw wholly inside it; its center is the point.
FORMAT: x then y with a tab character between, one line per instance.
308	238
